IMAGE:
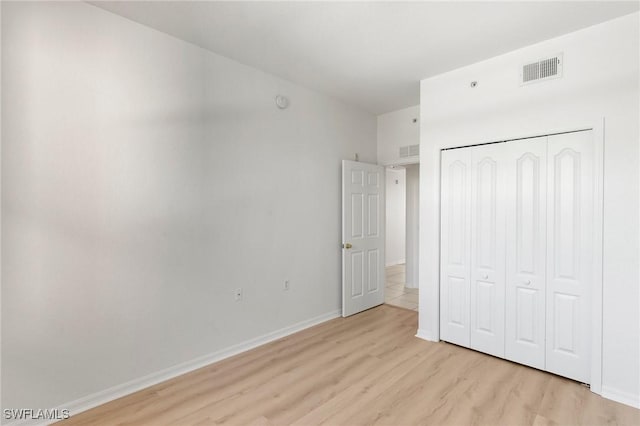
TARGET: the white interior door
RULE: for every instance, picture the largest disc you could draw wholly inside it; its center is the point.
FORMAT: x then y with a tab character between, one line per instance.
569	246
526	251
455	245
488	178
362	236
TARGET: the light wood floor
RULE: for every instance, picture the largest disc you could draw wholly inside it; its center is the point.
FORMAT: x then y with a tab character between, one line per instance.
363	370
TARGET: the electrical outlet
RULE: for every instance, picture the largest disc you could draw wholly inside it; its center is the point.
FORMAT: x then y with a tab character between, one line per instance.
285	286
238	294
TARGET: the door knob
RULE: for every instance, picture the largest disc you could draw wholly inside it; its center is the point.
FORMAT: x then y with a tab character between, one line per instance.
527	282
347	245
485	277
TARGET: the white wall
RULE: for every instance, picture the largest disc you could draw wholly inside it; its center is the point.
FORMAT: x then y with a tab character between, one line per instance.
0	204
395	181
413	226
601	68
396	129
144	179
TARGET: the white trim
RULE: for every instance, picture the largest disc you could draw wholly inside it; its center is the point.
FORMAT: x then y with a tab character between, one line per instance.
427	335
430	254
118	391
597	259
401	162
621	397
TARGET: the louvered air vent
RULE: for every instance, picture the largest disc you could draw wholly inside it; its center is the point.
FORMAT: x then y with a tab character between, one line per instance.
544	69
409	151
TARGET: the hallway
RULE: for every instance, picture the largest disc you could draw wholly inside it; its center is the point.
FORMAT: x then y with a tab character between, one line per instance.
395	292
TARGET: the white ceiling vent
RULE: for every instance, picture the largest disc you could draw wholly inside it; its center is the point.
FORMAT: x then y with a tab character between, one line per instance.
544	69
409	151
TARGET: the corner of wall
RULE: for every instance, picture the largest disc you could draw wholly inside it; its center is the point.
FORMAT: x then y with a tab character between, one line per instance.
426	335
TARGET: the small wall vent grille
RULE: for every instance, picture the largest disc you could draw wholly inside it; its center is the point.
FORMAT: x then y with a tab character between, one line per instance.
409	151
544	69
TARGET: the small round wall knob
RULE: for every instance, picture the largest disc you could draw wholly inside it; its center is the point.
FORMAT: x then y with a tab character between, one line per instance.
282	101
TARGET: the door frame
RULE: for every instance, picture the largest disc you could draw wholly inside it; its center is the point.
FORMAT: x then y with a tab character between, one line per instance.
429	305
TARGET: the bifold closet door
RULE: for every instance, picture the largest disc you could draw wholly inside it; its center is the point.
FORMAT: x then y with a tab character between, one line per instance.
455	245
526	251
570	228
487	293
473	247
516	244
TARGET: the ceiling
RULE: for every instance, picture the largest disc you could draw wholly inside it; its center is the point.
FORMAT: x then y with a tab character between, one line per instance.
370	54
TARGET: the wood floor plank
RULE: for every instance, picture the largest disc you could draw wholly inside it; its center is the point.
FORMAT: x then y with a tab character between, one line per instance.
362	391
367	369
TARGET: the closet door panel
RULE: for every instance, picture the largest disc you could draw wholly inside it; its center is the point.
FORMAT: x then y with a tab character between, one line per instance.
569	248
525	251
455	245
487	249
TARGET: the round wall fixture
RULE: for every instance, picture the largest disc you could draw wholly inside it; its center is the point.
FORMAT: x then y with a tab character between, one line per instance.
282	102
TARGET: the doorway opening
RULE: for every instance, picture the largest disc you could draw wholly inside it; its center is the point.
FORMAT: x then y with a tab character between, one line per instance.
401	244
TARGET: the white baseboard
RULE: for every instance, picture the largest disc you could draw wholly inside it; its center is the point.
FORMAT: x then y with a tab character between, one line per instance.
118	391
620	396
426	335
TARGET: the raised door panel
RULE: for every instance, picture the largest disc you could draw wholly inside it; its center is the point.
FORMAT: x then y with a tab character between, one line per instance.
356	258
525	251
569	248
357	214
487	249
375	269
455	245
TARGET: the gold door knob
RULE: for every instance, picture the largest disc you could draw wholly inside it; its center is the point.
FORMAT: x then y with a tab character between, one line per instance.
347	245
